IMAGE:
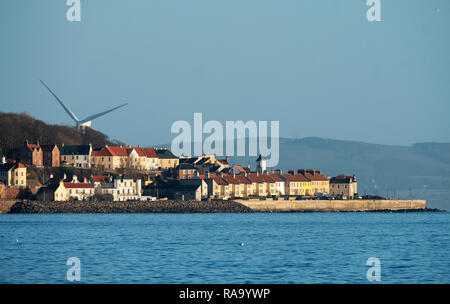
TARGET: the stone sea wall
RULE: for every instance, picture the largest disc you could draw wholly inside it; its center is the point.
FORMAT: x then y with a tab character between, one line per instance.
215	206
332	205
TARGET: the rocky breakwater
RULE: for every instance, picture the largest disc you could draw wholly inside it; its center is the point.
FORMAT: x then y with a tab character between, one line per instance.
129	207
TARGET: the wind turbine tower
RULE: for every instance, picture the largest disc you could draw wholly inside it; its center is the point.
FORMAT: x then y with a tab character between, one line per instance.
81	124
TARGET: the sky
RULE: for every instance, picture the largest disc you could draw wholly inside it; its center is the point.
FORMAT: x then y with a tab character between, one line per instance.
319	67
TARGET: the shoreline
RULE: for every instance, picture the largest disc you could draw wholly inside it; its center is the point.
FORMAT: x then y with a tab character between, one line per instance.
170	206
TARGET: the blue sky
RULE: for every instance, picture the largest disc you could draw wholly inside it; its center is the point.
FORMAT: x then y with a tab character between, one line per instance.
319	67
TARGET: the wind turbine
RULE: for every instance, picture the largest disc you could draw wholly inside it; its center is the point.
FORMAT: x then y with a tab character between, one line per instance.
83	123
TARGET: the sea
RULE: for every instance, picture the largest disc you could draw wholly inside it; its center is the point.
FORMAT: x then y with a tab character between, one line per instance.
253	248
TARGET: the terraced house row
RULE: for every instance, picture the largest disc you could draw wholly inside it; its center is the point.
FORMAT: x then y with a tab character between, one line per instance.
275	183
108	157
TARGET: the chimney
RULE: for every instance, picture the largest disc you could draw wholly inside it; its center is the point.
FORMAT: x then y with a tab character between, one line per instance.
65	176
74	179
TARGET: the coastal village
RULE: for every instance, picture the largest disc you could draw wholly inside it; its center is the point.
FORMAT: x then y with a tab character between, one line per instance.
147	174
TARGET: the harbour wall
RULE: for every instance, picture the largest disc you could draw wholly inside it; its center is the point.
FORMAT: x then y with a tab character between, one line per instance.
236	206
332	205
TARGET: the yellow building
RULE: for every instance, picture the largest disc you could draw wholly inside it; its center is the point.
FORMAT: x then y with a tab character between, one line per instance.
144	159
319	183
110	158
166	159
56	192
13	174
296	184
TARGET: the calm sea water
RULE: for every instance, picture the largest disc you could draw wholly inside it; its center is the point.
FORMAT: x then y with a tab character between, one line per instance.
205	248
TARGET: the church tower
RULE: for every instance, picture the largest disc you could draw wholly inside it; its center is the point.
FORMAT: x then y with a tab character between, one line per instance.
260	164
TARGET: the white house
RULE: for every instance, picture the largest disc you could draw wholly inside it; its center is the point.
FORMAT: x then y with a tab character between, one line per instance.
83	191
121	188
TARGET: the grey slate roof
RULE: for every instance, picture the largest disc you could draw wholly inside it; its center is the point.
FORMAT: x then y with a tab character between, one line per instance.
75	150
163	153
7	166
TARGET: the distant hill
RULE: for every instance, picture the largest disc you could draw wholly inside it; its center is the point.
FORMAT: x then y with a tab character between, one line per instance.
418	171
16	128
382	166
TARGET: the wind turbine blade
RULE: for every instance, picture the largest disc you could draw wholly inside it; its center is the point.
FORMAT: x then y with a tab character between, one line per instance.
101	114
66	108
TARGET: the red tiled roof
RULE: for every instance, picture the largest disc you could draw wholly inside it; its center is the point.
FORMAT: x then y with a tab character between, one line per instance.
139	151
259	178
229	179
313	175
276	177
117	151
239	168
266	178
149	152
295	177
241	179
100	178
101	152
219	180
78	185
